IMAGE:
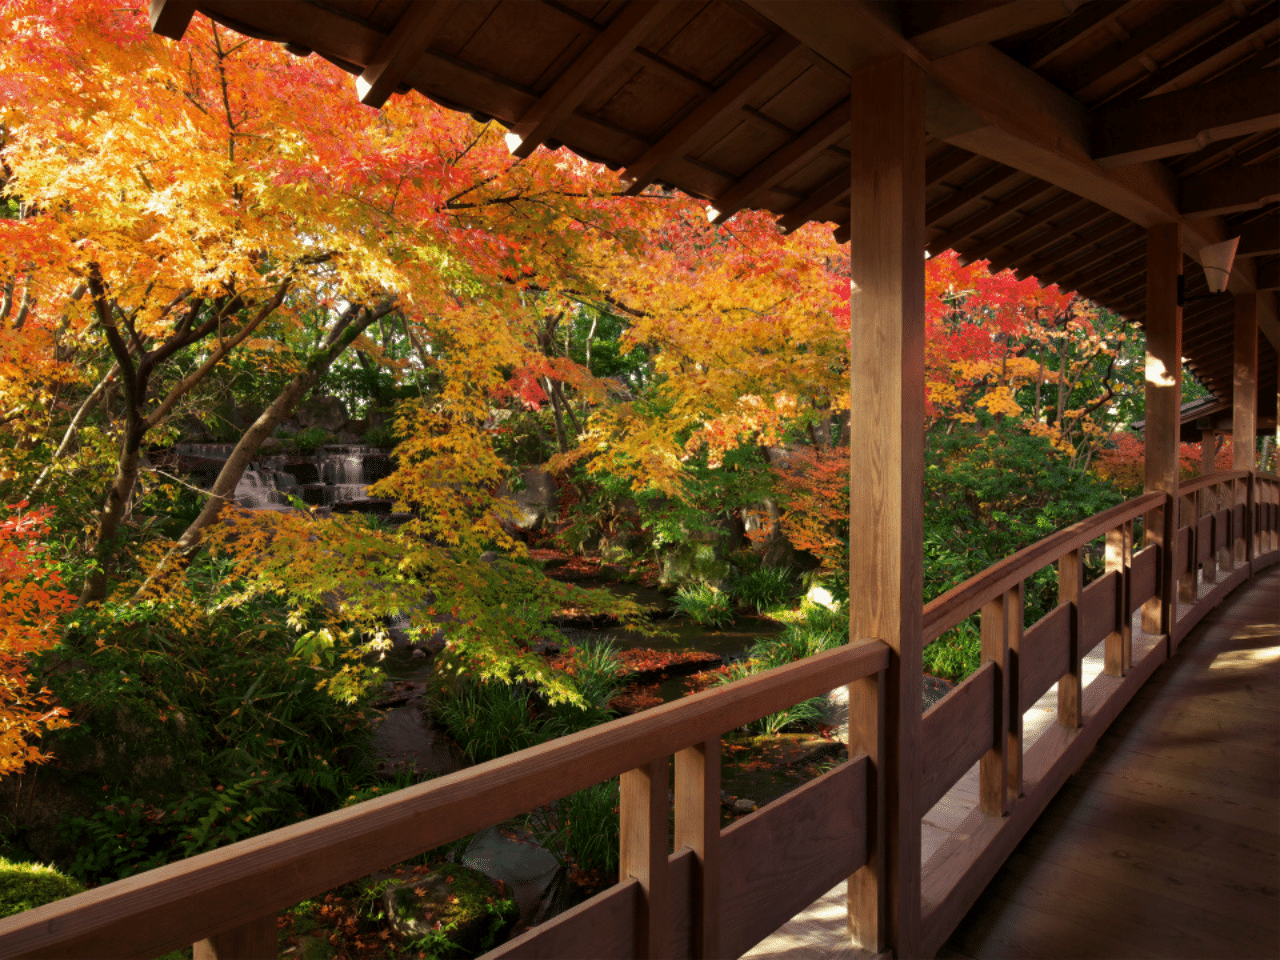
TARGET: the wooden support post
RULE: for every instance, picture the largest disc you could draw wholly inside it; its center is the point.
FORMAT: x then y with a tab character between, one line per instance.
1244	410
643	839
256	940
1070	588
1208	451
1013	712
993	769
1186	572
886	452
1164	399
1119	643
697	824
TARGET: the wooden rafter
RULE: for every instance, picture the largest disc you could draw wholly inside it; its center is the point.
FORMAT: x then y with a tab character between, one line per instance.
602	56
945	164
1065	34
419	25
1261	237
1241	30
1069	244
1029	247
834	190
822	133
1118	55
170	18
1227	189
725	101
1185	120
996	209
967	193
985	246
939	27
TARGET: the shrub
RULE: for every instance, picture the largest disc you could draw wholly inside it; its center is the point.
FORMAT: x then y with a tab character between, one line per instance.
764	587
25	886
489	719
706	605
595	671
581	830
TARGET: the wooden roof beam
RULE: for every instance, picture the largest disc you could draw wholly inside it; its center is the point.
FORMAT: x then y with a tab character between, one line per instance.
822	133
1080	268
1228	189
601	57
1067	33
170	18
1260	238
1186	120
1055	234
731	96
988	245
1243	29
945	164
939	27
997	209
989	179
834	190
1119	55
418	26
1070	245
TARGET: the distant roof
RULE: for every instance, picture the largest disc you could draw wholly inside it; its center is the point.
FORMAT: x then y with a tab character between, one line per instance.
1057	131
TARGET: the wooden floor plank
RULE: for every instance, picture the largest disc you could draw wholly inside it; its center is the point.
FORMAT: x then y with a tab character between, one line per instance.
1166	843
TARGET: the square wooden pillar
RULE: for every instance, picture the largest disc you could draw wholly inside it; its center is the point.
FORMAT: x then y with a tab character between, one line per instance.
1164	400
1244	403
886	503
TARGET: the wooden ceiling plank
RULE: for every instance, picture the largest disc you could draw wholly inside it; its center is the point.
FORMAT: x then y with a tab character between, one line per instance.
819	135
170	18
1184	121
1241	30
1065	246
731	96
419	25
1065	34
1112	58
1055	234
1078	266
967	193
614	44
992	213
1261	237
835	189
940	27
988	245
1229	189
946	163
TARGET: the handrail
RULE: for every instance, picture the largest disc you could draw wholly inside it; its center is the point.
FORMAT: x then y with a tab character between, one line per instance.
178	904
962	601
1213	479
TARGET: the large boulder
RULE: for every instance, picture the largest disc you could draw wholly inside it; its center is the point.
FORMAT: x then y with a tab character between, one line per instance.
327	413
528	508
454	912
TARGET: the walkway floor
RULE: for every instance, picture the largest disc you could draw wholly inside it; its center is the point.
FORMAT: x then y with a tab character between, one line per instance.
1165	844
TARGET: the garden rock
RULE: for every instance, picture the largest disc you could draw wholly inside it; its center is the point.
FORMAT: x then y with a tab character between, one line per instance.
461	911
326	413
528	509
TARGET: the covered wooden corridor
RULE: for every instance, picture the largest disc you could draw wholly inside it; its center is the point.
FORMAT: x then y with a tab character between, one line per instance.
1106	146
1166	843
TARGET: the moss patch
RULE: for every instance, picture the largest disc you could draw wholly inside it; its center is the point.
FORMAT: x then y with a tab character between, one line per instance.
455	912
24	886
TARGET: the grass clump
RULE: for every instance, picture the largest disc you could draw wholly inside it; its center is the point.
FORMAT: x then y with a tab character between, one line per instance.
705	605
581	830
764	587
25	886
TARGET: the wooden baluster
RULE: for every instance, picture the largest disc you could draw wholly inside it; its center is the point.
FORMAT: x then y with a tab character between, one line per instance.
1070	587
697	823
256	940
1207	500
1013	728
1251	494
643	855
1119	643
1187	574
994	767
869	886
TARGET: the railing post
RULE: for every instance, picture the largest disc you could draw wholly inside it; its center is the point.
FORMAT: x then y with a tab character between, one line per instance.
1187	573
1210	568
697	826
1119	643
1000	770
256	940
1250	516
1070	587
643	855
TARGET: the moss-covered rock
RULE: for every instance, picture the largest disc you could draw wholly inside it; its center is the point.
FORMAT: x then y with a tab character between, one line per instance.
24	886
454	912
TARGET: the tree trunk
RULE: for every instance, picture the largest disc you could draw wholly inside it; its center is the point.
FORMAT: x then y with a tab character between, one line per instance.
343	333
113	511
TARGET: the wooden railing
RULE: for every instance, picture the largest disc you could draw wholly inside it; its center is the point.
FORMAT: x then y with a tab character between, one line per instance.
722	891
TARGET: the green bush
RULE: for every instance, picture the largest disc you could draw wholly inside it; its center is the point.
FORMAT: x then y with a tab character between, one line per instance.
706	605
765	587
25	886
489	719
308	440
595	671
